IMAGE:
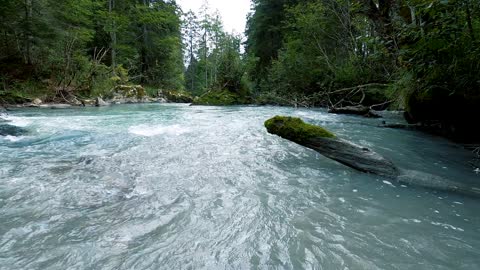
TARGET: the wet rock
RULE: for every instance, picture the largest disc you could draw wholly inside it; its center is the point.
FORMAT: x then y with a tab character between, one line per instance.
127	94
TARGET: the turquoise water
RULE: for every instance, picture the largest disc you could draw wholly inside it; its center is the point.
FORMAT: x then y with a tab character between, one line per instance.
178	187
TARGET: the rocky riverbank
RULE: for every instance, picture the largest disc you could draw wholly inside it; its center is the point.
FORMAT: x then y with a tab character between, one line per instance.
122	94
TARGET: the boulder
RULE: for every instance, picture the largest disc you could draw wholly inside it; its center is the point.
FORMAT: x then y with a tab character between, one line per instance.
131	91
37	101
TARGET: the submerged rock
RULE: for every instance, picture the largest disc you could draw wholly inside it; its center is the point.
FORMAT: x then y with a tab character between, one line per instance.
10	130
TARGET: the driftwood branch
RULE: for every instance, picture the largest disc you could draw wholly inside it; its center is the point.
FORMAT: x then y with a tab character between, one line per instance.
381	104
357	87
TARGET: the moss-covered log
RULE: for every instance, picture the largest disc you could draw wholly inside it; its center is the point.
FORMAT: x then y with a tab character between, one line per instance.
327	144
358	157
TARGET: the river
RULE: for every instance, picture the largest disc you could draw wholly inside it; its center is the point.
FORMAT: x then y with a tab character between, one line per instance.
179	187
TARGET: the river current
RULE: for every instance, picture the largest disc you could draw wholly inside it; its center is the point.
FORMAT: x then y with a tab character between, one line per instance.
179	187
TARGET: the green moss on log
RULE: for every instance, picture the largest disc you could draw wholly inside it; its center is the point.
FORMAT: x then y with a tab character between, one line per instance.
294	129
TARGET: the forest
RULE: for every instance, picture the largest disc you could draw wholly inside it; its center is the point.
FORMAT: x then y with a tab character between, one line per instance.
414	55
418	56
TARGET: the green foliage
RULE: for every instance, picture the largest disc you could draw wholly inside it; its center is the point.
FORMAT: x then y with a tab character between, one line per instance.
265	31
295	129
214	58
320	52
223	98
87	47
442	56
178	96
427	52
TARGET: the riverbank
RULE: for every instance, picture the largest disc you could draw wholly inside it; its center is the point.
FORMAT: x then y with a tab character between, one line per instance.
122	94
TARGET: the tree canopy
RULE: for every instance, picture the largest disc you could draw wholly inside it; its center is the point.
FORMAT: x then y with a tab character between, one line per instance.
421	56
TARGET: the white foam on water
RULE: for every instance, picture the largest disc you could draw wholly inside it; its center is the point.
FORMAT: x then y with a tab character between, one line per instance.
447	226
388	183
414	220
17	121
150	131
14	138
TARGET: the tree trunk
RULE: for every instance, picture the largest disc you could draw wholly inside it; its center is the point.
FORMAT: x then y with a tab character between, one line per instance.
145	66
206	57
382	20
113	35
28	31
469	21
192	68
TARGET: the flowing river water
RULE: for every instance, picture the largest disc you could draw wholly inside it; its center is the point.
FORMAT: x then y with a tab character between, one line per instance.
179	187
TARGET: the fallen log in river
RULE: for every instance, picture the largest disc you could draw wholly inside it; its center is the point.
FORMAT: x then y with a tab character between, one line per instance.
358	157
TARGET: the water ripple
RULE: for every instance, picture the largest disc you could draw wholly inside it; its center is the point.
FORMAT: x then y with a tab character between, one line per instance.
179	187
